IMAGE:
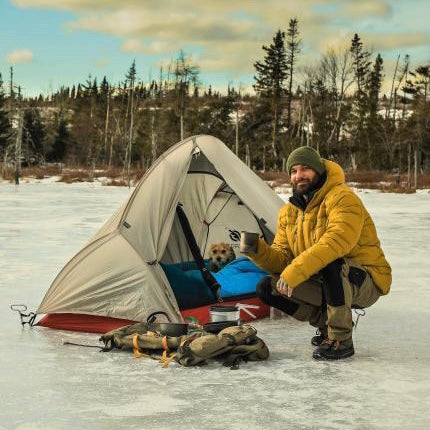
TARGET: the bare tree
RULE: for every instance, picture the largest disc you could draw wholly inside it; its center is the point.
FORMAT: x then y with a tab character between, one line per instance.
337	67
186	74
131	79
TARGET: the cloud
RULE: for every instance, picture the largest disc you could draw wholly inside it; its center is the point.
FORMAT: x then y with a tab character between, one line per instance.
102	62
227	35
186	26
364	9
238	57
63	4
132	45
20	56
394	41
374	42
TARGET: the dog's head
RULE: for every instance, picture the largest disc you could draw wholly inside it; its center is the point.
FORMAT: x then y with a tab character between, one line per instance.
221	254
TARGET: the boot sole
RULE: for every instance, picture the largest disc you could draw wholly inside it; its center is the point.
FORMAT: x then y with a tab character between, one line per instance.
323	357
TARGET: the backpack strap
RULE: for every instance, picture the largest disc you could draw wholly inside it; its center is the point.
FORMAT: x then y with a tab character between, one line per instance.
210	281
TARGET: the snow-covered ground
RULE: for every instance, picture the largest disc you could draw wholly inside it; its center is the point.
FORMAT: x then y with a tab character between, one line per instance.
49	386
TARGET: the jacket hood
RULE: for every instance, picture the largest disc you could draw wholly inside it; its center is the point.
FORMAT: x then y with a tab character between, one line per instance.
335	176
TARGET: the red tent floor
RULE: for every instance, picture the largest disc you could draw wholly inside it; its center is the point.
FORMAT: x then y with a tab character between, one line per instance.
100	324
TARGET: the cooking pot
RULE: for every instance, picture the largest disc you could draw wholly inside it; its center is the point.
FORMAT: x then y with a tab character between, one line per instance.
166	328
220	313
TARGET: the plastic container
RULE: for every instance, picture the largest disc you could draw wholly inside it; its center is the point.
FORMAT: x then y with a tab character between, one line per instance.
224	313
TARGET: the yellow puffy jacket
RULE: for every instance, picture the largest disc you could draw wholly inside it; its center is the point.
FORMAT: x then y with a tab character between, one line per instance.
334	224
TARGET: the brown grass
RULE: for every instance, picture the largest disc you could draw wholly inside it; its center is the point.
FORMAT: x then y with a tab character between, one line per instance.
386	187
33	172
375	180
114	176
112	173
387	182
275	179
116	183
71	176
8	175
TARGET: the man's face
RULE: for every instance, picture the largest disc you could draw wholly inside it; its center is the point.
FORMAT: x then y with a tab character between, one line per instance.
302	178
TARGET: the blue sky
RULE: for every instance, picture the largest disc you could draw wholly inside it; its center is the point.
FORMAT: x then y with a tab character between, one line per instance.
60	42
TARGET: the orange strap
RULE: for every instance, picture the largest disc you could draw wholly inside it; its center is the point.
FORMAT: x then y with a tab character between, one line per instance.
136	351
165	347
167	361
164	343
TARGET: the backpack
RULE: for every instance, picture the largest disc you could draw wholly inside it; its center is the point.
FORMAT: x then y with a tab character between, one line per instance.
233	344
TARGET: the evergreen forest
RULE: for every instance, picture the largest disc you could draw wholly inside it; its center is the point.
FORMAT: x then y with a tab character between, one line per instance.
336	106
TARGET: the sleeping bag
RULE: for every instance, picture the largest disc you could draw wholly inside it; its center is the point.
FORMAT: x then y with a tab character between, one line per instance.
237	278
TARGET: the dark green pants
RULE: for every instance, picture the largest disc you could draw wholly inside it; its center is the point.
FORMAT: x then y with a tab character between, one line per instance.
326	299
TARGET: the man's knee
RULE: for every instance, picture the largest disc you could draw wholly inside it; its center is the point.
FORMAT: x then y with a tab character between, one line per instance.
264	288
264	293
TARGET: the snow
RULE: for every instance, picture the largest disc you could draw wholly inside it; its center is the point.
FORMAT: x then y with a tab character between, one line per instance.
50	386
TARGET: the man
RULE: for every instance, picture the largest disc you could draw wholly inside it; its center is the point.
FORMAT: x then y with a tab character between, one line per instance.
326	257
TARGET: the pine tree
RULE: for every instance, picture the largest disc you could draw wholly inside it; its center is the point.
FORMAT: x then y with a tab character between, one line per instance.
419	122
61	143
270	80
79	91
104	89
34	134
376	154
361	67
374	85
361	64
293	49
419	86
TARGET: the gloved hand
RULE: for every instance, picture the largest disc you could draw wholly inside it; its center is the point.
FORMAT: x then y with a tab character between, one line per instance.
283	288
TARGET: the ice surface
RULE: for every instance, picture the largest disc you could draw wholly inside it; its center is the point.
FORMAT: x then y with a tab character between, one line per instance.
47	385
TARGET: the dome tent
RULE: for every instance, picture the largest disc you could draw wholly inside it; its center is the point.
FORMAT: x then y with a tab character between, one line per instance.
117	278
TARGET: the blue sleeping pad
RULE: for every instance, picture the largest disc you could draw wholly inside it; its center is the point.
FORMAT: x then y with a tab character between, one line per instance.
237	278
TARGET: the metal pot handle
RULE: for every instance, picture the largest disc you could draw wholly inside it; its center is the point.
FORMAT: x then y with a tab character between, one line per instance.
152	318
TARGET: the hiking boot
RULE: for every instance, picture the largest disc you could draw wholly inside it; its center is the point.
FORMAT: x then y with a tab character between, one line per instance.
320	336
334	350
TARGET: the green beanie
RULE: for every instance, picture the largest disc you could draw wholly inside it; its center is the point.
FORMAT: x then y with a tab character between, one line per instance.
306	156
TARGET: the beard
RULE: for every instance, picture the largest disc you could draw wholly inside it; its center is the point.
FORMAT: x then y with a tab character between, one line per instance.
306	186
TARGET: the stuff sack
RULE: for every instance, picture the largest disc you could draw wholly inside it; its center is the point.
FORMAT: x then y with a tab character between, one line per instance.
234	344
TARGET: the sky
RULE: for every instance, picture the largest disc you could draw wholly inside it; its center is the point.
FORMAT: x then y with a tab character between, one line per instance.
51	43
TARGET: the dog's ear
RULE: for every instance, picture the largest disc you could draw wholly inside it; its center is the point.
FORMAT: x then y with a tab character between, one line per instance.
232	253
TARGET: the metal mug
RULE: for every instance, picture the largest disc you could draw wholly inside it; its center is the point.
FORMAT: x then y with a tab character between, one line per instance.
248	242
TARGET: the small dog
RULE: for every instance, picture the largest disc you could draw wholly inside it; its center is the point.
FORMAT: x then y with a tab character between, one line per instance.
220	254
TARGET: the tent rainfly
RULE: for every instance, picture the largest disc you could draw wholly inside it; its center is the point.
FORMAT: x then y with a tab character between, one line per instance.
117	277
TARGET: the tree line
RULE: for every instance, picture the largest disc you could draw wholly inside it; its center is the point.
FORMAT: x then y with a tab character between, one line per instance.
335	106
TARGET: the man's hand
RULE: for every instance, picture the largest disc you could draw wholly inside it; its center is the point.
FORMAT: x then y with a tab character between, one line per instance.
283	288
